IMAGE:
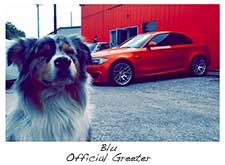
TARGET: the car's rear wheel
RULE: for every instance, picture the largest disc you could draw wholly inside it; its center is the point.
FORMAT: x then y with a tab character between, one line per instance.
121	73
199	66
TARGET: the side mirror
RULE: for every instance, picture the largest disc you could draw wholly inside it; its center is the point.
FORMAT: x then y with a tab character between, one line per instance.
152	44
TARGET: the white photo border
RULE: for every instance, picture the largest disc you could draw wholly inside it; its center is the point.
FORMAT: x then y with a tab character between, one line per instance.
174	153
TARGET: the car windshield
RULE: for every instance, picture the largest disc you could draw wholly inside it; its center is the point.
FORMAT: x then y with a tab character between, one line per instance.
92	46
136	42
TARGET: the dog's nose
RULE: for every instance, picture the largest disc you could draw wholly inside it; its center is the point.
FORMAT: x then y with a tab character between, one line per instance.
62	62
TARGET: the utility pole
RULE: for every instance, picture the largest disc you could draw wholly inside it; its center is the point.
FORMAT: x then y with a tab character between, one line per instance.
38	21
71	18
55	20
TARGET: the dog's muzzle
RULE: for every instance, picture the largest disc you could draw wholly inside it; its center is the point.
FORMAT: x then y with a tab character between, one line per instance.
62	63
64	71
61	70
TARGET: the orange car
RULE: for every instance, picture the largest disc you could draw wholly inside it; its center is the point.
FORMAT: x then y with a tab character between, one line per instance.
149	54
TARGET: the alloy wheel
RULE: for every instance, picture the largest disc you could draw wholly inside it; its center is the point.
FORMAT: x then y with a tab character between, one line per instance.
122	73
199	66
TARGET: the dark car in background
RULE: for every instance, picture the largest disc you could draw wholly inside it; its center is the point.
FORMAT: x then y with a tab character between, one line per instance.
94	47
11	75
11	71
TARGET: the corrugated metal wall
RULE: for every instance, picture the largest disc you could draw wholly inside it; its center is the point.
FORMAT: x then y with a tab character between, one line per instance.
201	22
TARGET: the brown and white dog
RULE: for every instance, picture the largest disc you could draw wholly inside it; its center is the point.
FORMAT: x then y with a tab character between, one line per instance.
52	90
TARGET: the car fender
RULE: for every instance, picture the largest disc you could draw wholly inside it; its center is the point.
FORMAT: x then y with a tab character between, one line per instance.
127	58
199	50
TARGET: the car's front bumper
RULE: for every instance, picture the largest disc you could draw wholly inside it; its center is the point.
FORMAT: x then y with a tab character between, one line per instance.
99	73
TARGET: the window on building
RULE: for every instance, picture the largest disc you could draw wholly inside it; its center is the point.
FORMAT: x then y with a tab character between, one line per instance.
113	38
149	26
120	35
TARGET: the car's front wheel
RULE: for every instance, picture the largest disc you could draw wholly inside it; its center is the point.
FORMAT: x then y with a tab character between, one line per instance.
199	66
121	73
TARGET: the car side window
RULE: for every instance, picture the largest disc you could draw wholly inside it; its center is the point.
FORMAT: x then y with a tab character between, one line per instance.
104	46
178	39
161	39
171	39
98	47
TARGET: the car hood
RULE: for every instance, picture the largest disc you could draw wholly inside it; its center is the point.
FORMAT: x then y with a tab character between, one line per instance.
113	51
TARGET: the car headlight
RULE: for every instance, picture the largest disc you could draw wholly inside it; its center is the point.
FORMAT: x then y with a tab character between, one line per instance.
97	61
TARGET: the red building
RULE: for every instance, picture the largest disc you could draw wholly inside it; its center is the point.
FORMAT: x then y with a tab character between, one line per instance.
116	23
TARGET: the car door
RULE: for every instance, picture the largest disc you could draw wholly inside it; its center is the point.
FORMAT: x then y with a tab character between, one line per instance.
163	56
155	58
180	46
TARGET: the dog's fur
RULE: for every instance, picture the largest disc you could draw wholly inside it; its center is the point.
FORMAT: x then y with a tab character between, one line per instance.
52	90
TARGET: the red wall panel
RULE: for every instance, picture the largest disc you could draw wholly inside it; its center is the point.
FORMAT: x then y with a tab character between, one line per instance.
201	22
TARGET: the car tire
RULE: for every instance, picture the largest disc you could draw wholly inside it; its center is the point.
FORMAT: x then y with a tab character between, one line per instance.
121	73
199	66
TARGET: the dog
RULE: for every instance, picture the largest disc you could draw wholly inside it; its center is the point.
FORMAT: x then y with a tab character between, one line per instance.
52	90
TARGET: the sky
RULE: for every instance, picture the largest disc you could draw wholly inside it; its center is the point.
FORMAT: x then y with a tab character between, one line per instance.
24	17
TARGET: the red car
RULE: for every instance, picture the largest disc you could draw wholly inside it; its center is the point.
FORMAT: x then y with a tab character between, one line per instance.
149	54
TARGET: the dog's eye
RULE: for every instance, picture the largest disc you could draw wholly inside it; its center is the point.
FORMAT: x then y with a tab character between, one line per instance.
67	49
46	49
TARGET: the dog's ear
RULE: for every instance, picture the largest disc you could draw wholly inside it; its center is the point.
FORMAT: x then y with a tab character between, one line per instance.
83	52
16	52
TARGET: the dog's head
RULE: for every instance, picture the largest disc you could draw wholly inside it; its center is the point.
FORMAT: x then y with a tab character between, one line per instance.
50	61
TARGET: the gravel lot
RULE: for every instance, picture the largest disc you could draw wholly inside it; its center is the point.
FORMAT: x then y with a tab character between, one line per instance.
158	109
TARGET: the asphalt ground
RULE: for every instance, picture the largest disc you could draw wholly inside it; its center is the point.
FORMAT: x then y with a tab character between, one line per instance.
168	108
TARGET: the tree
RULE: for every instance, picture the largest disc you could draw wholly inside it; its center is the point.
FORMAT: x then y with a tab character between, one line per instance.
12	32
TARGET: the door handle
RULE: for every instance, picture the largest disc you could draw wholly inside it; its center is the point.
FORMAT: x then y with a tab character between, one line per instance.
137	57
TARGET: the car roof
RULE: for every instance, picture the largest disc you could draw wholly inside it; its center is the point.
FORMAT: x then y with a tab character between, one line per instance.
162	32
96	42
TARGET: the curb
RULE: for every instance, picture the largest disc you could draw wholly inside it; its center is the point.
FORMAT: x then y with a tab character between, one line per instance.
213	73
